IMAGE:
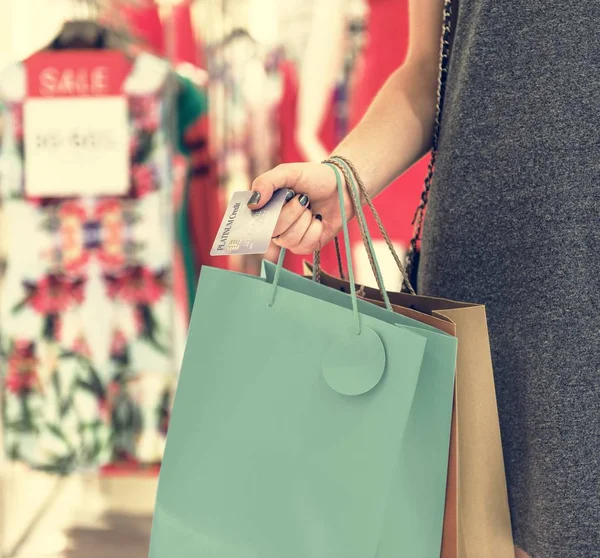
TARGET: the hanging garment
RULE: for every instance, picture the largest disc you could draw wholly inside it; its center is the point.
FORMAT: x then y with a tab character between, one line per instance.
142	20
203	207
179	27
183	258
199	216
86	307
245	91
195	198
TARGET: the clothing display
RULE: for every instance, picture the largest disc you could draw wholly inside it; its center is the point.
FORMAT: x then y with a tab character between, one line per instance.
512	222
244	92
88	313
203	206
198	203
86	309
203	203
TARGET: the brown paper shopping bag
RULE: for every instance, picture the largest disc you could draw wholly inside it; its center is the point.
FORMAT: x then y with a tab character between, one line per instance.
477	519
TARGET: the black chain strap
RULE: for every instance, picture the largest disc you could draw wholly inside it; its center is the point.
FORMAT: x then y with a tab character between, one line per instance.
411	258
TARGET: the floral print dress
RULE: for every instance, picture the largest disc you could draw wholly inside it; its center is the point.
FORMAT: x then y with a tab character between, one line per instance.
87	305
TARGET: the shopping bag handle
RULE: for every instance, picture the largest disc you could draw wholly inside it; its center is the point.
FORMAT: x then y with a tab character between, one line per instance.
356	187
340	189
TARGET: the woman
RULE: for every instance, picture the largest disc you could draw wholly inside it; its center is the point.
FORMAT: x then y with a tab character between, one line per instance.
512	222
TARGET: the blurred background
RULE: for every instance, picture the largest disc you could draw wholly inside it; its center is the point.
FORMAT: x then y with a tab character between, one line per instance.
97	283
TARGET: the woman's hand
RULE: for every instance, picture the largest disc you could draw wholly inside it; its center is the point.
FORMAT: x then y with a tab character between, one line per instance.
312	217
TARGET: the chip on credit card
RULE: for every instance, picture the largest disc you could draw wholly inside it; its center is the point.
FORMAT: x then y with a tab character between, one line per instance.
244	231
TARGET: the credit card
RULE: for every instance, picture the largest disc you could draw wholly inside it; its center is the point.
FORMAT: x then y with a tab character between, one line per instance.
244	231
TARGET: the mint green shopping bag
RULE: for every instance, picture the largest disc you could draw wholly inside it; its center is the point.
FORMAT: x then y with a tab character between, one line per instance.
287	425
415	514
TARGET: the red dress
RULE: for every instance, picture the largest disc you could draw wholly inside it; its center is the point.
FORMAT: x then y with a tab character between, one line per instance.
385	51
186	45
204	197
143	22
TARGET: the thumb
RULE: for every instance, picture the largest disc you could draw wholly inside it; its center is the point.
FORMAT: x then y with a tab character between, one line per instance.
282	176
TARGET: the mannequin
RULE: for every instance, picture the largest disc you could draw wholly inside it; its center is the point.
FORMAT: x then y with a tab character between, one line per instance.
306	110
319	72
387	43
387	28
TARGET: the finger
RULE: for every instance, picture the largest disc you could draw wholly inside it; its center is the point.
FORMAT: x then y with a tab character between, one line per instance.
291	213
294	235
311	241
282	176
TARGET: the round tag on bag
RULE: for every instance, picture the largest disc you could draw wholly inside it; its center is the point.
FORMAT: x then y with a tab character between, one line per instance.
354	364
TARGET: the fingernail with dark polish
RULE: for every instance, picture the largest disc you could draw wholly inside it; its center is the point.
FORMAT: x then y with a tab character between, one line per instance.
254	198
303	199
290	195
318	217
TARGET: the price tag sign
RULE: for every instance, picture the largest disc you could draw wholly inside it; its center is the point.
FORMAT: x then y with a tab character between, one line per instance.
76	125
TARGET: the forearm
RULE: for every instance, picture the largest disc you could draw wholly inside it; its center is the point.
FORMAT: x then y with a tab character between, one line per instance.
397	129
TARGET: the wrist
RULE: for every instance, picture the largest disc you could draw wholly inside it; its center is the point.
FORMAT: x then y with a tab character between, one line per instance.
346	195
359	195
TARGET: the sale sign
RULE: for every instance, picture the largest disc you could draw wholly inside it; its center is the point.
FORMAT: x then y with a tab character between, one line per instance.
76	124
